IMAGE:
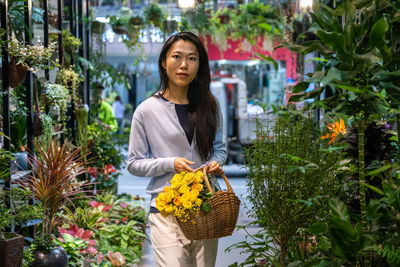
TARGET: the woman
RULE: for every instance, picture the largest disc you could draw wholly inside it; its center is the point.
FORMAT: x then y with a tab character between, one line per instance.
177	129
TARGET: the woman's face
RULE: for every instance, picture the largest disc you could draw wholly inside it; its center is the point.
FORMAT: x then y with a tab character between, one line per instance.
181	64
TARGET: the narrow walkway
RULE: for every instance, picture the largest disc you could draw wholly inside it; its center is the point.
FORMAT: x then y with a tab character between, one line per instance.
137	186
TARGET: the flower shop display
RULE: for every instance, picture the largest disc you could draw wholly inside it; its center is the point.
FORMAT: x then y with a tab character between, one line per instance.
196	208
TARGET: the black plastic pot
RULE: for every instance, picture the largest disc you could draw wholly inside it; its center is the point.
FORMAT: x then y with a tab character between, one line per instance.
11	250
57	257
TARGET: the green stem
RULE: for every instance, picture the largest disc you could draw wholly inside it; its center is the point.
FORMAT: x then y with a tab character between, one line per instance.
361	173
361	178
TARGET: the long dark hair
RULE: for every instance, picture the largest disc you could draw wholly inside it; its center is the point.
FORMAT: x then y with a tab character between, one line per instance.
203	113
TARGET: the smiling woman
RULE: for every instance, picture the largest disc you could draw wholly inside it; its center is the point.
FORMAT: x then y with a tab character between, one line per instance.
177	129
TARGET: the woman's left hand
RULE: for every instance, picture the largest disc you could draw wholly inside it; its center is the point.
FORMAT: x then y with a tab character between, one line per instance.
215	168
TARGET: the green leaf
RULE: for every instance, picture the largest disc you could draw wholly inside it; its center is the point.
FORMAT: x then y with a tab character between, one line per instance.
333	40
377	34
317	76
373	188
68	237
269	59
300	87
205	206
349	88
339	209
379	170
318	228
333	75
265	26
300	97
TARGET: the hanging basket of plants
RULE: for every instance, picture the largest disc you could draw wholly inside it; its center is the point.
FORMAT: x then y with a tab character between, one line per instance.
17	73
119	25
170	26
154	15
136	22
98	27
53	20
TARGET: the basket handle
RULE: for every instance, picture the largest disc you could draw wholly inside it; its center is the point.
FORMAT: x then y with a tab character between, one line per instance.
208	182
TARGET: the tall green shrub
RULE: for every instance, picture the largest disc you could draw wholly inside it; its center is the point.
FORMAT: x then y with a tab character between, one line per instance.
290	179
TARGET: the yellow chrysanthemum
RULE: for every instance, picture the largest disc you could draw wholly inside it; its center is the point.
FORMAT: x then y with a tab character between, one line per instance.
187	204
168	209
194	194
184	189
177	201
198	187
167	189
198	202
189	178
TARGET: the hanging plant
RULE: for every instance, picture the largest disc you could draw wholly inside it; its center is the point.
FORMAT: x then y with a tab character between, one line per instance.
154	15
98	27
170	26
31	57
57	95
70	79
119	23
254	21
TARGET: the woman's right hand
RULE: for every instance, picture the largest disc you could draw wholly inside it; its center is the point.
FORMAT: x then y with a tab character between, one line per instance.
182	165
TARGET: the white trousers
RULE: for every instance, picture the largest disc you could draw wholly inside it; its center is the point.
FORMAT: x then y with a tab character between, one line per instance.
172	249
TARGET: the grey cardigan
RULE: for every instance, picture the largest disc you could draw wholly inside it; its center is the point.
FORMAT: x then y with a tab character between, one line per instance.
157	138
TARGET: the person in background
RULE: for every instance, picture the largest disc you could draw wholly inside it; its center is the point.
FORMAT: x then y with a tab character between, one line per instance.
177	129
119	111
106	114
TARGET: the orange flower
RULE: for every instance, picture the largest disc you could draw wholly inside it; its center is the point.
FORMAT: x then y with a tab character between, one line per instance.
337	127
177	201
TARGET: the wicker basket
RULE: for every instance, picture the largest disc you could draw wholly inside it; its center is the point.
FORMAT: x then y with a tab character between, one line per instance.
218	222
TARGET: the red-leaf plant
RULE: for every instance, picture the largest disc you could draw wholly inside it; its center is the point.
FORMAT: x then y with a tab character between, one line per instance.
53	179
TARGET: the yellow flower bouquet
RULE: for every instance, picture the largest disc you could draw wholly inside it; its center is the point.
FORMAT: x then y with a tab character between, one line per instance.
185	197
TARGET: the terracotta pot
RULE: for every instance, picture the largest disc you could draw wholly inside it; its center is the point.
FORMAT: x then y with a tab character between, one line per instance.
12	250
55	257
17	73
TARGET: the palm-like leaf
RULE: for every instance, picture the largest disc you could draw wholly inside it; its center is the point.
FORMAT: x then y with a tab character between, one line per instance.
52	181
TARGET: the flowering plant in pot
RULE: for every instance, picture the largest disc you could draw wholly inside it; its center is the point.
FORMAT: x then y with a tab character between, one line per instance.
53	182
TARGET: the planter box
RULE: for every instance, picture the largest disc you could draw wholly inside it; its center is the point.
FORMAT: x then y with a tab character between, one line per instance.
12	250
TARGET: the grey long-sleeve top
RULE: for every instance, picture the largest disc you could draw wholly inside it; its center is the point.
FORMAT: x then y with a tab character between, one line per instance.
157	138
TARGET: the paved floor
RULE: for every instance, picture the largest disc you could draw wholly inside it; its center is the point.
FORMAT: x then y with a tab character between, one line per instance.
137	185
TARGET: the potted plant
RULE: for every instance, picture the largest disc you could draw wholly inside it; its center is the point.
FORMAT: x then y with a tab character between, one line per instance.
119	23
70	79
27	58
12	244
98	27
53	182
154	15
57	97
